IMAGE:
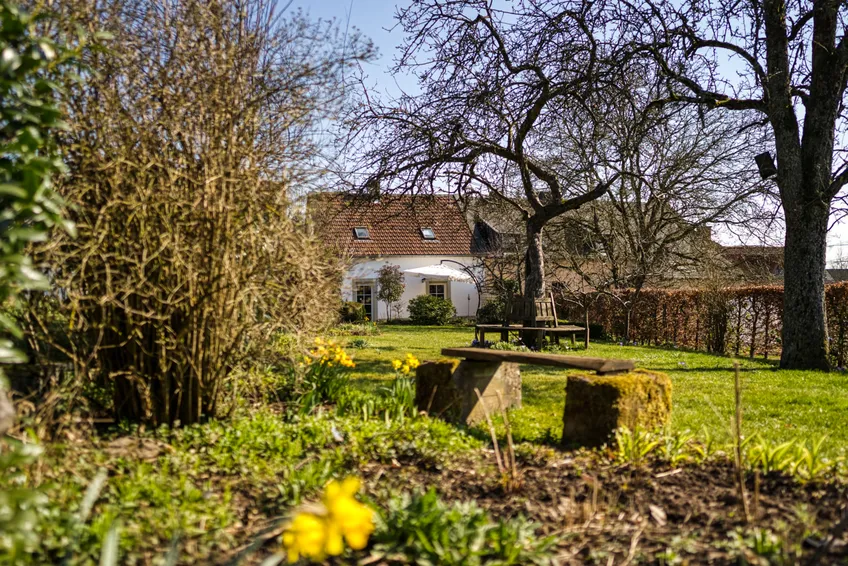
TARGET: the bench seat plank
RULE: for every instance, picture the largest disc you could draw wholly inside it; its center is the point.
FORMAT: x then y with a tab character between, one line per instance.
600	365
516	327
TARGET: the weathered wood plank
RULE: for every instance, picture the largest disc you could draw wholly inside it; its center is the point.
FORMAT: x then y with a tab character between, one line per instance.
600	365
547	329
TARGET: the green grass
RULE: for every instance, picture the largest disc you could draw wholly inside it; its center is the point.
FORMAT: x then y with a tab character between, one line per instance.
778	404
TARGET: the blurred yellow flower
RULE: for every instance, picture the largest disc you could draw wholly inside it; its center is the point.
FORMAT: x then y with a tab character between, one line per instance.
396	364
355	521
323	530
305	536
327	353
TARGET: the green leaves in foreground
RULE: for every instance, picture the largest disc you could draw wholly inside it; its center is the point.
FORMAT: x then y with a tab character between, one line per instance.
421	529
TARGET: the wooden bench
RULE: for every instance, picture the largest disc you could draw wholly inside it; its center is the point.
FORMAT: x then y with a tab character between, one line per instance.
519	311
602	366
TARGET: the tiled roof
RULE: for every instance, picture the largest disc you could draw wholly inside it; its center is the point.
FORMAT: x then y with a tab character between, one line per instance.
394	224
753	250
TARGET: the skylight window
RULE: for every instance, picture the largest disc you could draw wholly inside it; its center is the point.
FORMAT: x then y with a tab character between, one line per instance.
428	234
362	233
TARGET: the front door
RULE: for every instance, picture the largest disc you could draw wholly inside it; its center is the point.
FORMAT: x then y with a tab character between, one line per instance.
365	296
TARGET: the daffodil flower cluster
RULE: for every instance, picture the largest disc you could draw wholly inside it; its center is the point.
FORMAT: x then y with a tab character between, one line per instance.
321	530
406	365
327	353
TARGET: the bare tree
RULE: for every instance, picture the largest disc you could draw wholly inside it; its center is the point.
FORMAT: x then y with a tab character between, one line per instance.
787	66
497	87
678	174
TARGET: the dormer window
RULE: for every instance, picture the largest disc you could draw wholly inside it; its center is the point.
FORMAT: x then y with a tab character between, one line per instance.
428	234
361	233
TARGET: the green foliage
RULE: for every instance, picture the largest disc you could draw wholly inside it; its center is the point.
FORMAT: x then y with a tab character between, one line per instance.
430	310
509	347
634	446
358	343
351	311
421	529
493	312
769	456
810	463
757	547
317	385
391	402
676	447
390	284
31	68
356	329
21	508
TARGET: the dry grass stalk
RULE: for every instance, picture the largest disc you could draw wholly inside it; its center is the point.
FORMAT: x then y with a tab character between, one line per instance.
492	431
737	434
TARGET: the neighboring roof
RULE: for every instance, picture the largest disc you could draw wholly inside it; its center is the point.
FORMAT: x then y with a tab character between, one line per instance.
757	251
394	224
838	274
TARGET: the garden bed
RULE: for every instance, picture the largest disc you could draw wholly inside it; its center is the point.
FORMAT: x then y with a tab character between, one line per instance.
604	513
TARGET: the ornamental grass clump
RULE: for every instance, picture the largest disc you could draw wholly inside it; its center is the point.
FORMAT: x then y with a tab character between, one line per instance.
325	529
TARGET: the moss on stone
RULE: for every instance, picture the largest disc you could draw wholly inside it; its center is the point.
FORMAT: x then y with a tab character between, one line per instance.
595	406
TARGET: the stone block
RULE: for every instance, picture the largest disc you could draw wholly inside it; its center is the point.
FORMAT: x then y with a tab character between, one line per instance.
445	388
595	406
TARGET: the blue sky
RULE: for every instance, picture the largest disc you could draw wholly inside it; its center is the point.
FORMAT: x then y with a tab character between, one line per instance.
375	19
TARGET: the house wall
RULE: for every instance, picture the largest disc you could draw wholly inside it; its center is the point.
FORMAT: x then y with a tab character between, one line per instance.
463	295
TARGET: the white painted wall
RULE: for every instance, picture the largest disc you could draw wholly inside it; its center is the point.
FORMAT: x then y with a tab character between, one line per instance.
365	270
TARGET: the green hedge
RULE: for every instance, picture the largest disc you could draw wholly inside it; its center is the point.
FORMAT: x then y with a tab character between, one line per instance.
426	309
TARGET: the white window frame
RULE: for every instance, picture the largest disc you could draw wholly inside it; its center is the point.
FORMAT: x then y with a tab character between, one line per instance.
374	302
356	230
439	282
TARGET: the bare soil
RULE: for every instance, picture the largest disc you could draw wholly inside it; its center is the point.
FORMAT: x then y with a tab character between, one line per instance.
604	513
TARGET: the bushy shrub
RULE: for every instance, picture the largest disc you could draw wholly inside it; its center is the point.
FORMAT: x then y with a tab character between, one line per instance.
427	309
493	312
424	530
352	312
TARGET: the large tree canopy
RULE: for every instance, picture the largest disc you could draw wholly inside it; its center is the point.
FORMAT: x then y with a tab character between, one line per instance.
497	89
785	61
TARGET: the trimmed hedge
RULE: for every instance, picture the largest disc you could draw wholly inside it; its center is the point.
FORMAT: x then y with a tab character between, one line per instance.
740	320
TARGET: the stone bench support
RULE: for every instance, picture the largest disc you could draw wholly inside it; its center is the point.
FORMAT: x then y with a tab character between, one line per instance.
445	388
596	406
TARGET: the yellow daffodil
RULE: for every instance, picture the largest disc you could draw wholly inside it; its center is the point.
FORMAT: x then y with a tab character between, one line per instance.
305	536
355	520
396	364
322	530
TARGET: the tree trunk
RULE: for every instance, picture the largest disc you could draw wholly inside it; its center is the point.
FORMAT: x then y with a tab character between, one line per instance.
586	321
804	317
534	261
534	276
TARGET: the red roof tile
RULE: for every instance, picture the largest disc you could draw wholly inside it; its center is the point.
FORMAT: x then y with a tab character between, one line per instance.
394	224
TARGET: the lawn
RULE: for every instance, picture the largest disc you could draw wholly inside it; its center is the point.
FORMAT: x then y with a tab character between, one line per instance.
779	405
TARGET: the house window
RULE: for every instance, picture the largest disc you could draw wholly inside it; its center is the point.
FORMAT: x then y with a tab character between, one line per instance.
428	234
364	295
361	233
437	290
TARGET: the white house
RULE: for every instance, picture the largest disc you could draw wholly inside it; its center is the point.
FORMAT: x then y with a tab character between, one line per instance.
427	237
